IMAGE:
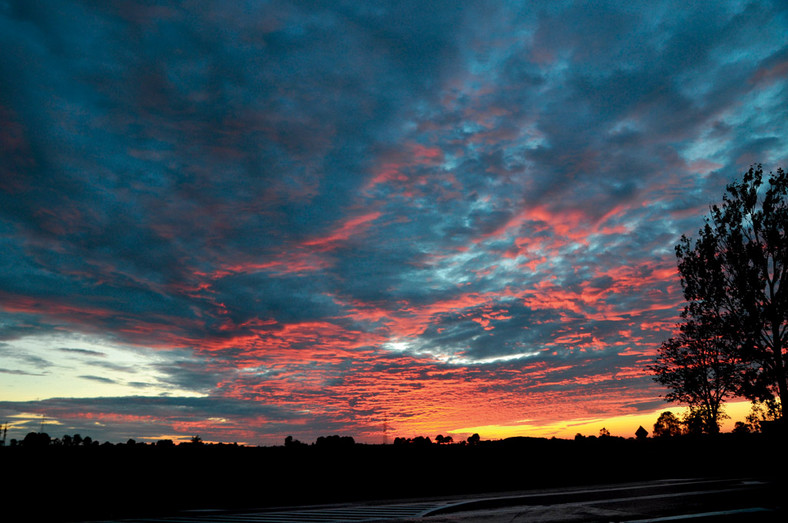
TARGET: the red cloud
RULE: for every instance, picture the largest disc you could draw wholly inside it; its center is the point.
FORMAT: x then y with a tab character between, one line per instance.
352	227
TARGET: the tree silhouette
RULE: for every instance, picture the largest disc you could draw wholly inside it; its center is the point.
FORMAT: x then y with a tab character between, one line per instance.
292	443
696	422
735	282
667	425
440	439
421	441
741	428
36	439
701	369
763	412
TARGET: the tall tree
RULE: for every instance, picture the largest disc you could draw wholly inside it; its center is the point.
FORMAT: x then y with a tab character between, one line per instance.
700	368
735	283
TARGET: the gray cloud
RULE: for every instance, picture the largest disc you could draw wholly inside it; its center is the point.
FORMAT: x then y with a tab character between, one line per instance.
100	379
82	352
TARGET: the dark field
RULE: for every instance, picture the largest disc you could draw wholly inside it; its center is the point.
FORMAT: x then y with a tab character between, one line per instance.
79	483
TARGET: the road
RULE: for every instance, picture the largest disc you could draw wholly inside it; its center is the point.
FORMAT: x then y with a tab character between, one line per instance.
691	500
670	500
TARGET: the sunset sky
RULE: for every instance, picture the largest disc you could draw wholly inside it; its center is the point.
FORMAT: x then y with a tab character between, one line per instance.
253	219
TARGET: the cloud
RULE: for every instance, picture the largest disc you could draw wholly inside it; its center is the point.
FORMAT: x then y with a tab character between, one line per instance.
98	378
11	353
19	372
83	352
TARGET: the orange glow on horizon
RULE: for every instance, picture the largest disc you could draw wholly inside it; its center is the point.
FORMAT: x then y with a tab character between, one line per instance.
623	426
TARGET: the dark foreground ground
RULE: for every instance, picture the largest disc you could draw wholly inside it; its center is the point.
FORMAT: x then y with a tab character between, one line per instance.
113	482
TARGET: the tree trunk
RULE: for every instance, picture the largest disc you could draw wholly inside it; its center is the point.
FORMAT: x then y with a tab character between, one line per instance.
779	367
782	387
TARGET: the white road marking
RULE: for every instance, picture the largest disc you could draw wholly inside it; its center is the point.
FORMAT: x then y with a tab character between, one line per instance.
681	517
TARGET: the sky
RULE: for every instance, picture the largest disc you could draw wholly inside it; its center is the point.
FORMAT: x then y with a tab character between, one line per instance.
252	219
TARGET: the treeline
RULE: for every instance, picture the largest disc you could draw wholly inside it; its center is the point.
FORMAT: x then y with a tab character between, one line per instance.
762	419
42	439
440	439
667	425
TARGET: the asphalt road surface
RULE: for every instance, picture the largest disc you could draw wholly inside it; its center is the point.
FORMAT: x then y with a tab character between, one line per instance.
692	500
